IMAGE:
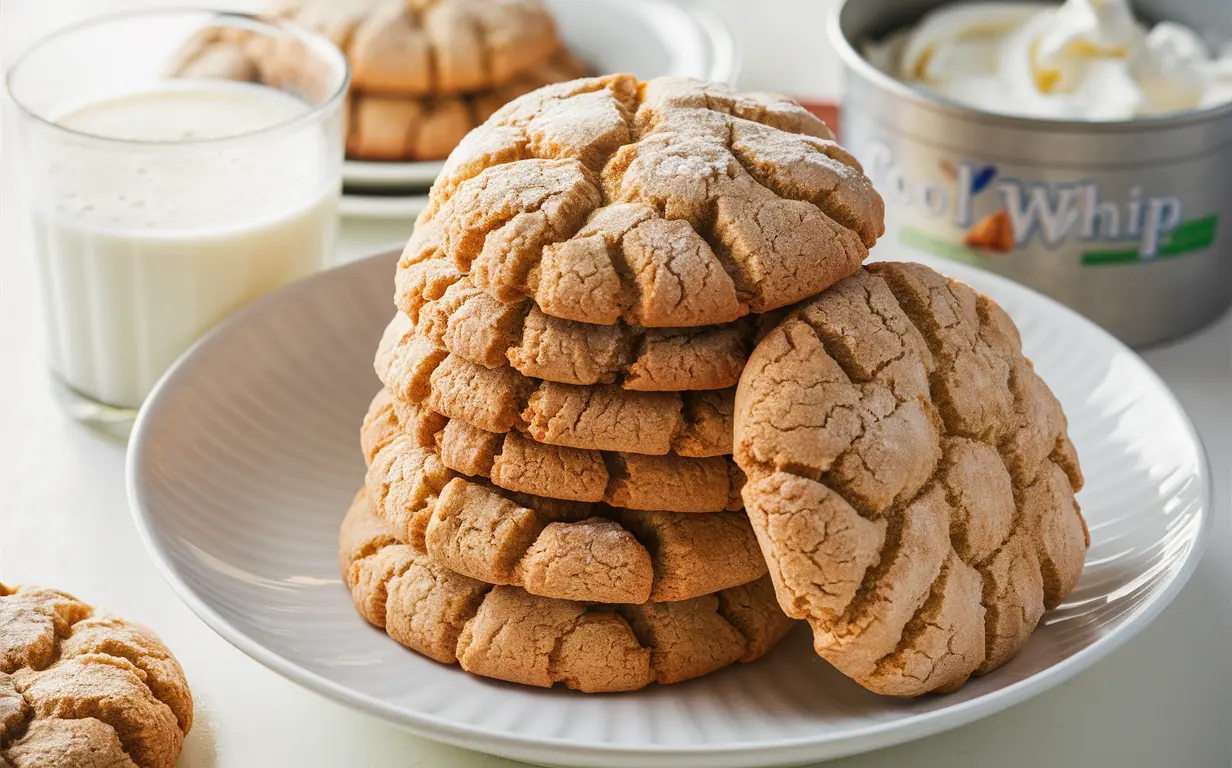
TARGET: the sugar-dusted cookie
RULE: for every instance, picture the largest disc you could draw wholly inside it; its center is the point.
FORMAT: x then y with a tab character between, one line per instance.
669	203
509	634
602	417
552	548
84	690
389	127
449	311
431	47
911	482
511	461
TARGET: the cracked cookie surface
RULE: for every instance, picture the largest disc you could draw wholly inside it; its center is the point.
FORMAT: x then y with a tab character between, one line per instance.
911	482
381	127
554	548
507	633
431	47
664	204
447	310
601	418
670	483
394	128
85	690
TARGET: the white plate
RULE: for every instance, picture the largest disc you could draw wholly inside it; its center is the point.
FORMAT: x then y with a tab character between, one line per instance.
244	460
648	38
406	207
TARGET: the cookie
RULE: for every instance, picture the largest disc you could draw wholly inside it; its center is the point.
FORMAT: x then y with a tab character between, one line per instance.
82	689
601	418
668	203
431	47
911	482
396	128
448	310
555	549
507	633
635	481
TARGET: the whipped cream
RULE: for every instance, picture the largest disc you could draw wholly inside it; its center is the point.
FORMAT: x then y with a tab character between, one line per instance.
1082	60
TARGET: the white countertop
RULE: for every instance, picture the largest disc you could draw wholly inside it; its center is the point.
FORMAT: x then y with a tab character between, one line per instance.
1163	699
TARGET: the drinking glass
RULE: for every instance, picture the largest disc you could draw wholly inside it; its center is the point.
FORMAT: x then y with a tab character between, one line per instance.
176	165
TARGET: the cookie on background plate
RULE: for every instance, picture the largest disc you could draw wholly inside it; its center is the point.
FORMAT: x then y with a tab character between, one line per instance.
910	479
431	47
506	633
80	689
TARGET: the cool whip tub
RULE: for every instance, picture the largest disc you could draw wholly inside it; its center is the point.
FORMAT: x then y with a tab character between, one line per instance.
1083	149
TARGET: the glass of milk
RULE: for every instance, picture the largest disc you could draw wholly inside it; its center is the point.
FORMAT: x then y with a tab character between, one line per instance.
163	199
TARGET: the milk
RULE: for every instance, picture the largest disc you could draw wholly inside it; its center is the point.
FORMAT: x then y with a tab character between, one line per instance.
145	246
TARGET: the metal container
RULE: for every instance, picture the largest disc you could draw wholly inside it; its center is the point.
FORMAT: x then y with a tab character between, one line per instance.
1128	222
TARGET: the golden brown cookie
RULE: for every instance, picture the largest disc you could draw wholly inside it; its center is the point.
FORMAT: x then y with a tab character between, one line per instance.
394	128
466	321
669	203
83	690
668	483
552	548
911	482
600	418
509	634
431	47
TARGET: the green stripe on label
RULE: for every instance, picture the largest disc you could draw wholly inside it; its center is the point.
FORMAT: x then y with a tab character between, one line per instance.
922	241
1190	236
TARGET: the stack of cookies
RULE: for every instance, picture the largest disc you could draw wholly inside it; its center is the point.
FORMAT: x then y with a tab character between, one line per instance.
423	72
550	493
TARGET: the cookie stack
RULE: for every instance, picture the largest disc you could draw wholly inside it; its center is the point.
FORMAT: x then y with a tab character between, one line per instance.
552	447
423	72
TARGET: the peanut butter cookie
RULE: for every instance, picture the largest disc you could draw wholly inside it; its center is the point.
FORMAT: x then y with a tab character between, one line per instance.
431	47
911	482
666	483
507	633
601	418
669	203
448	310
384	127
553	548
84	690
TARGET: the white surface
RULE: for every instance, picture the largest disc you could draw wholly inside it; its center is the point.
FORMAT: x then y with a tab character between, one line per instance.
245	457
1164	699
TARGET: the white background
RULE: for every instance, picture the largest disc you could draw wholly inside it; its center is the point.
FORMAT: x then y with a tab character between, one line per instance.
1162	700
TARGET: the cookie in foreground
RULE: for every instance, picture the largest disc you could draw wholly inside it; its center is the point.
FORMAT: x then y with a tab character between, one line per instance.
79	688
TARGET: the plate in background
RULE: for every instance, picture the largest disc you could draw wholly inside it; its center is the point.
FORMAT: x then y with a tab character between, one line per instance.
244	460
401	207
648	38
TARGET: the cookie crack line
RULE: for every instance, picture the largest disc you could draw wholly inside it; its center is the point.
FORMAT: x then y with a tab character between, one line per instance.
716	204
552	548
507	633
76	686
467	322
514	463
603	417
946	496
